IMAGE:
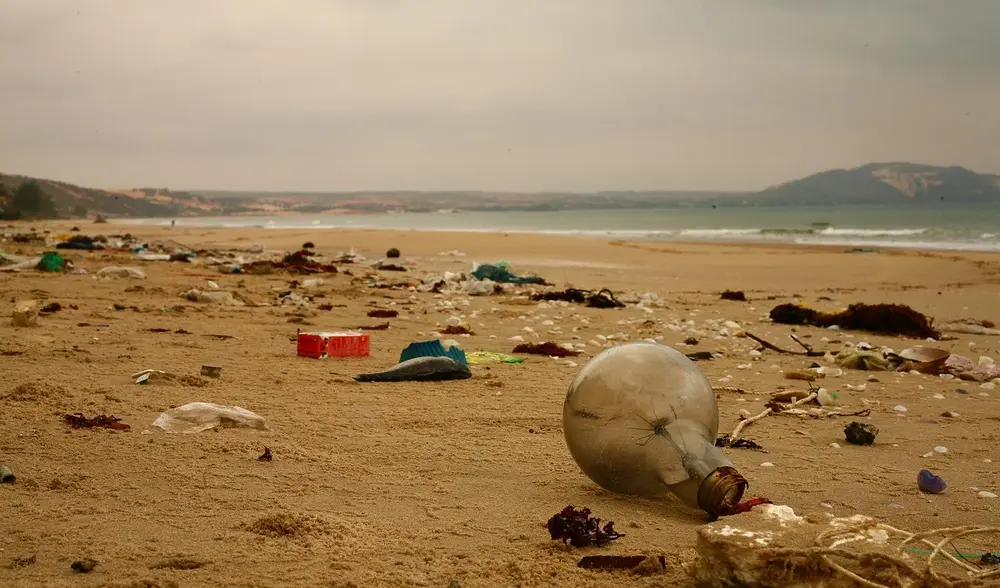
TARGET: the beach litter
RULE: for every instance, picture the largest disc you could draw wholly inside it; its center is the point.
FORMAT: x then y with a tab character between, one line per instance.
266	456
196	417
6	475
860	433
211	371
604	298
115	272
481	357
51	262
500	272
322	345
930	483
382	313
548	348
773	547
433	348
213	297
734	295
420	369
25	314
886	319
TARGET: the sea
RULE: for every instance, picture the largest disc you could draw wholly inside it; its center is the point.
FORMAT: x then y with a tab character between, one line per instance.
975	227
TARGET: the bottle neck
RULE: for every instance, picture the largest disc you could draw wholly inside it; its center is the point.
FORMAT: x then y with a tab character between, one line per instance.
721	491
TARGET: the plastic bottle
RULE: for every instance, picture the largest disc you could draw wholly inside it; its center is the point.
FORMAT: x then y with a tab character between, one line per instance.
640	418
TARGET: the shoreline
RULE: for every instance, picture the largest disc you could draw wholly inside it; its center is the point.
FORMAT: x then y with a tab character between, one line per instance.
609	237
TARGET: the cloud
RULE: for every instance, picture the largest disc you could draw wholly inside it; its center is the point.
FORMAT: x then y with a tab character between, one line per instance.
492	94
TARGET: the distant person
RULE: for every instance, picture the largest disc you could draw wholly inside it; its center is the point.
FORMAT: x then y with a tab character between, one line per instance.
172	223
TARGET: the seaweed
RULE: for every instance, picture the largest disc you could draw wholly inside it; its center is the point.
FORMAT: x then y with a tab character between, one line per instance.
101	421
380	313
579	529
736	295
604	298
886	319
548	348
740	443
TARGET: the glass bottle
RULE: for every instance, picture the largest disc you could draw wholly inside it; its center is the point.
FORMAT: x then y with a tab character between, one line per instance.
641	418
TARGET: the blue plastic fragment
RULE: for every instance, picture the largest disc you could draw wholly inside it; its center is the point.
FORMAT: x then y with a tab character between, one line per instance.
930	483
432	348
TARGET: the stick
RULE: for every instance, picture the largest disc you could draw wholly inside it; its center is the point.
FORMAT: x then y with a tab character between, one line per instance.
739	427
809	352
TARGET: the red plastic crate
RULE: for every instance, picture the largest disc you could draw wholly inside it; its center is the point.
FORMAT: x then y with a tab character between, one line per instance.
323	345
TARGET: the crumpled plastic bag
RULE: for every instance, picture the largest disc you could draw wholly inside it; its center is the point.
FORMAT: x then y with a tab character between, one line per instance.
196	417
121	272
857	359
215	297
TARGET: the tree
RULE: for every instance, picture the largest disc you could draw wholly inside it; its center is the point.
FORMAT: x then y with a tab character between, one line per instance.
30	200
80	210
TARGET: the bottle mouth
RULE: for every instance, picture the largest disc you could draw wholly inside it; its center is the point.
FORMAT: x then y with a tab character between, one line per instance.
721	491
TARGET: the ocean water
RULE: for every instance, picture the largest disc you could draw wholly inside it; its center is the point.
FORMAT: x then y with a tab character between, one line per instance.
971	228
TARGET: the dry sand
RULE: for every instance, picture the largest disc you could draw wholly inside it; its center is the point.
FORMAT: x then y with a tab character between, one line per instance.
416	484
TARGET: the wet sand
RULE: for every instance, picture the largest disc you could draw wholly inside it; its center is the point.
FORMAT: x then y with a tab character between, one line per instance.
416	484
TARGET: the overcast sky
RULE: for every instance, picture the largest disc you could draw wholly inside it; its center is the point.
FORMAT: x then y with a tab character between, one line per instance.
492	94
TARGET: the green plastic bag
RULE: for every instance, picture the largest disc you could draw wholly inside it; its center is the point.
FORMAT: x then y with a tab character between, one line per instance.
51	262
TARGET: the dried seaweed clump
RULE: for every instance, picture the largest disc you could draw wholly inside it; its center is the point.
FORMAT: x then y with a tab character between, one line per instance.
288	525
579	529
885	319
548	348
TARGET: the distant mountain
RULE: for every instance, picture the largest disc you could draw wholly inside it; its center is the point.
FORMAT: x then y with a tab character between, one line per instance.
76	201
879	183
890	184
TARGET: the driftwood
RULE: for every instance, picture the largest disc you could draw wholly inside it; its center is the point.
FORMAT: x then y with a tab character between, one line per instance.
809	352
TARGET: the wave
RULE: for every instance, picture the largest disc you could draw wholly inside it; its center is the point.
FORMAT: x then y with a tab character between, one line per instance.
871	232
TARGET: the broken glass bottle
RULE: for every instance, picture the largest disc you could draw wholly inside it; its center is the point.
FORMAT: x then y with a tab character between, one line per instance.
641	418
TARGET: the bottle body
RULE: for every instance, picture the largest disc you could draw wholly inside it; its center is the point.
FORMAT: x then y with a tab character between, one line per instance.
641	418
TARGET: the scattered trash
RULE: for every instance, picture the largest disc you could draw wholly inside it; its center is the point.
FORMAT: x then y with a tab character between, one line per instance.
214	297
602	299
84	566
392	253
379	327
700	355
887	319
623	562
150	376
267	455
929	483
637	415
25	314
804	375
322	345
432	348
858	359
548	348
480	357
380	313
860	433
579	529
50	308
971	327
503	275
211	371
101	421
51	262
420	369
741	443
121	272
6	475
196	417
735	295
457	330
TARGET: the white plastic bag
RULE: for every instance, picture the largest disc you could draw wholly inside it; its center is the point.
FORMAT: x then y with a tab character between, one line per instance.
121	272
202	416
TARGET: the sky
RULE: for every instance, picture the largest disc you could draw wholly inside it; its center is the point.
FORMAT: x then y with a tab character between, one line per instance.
511	95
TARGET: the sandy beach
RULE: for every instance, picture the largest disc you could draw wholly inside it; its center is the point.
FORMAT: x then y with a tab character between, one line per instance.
420	484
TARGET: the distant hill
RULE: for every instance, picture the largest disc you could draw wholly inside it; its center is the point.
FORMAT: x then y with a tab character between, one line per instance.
76	201
879	183
889	184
